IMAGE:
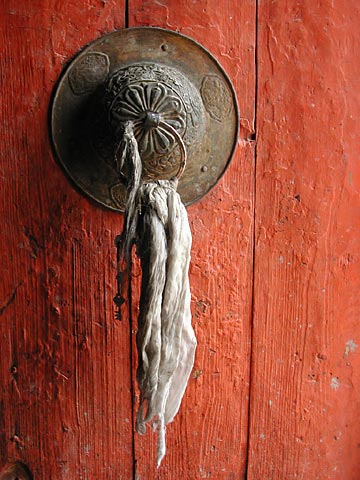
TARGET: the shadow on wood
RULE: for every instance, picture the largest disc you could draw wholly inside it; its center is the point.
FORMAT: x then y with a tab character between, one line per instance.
16	471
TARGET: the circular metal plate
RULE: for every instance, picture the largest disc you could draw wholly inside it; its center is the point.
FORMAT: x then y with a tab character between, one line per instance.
79	128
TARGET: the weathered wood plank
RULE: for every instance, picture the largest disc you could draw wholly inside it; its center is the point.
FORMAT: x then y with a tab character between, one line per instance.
65	404
305	362
208	438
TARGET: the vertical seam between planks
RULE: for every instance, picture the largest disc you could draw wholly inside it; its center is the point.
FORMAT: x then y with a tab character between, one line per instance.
127	13
132	393
251	359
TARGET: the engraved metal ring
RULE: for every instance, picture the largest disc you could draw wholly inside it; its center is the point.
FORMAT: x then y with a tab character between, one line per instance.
178	139
181	144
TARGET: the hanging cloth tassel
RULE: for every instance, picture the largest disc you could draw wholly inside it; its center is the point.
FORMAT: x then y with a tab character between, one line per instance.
165	340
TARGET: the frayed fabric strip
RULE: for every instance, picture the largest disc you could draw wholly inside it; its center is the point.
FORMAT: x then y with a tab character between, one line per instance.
166	341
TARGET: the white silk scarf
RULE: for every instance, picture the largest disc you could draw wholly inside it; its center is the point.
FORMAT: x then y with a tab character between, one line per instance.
156	221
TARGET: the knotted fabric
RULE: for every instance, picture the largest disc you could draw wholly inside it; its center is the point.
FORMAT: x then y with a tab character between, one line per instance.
156	221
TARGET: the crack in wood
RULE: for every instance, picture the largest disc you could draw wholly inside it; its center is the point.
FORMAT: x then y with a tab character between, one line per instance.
10	300
35	245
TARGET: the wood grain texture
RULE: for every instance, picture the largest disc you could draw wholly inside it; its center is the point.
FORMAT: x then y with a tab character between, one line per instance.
208	438
65	403
305	361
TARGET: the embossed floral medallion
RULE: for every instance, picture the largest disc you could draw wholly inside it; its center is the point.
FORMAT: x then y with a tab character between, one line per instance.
148	95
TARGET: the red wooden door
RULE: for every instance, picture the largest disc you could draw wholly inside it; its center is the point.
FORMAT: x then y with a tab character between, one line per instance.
275	258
